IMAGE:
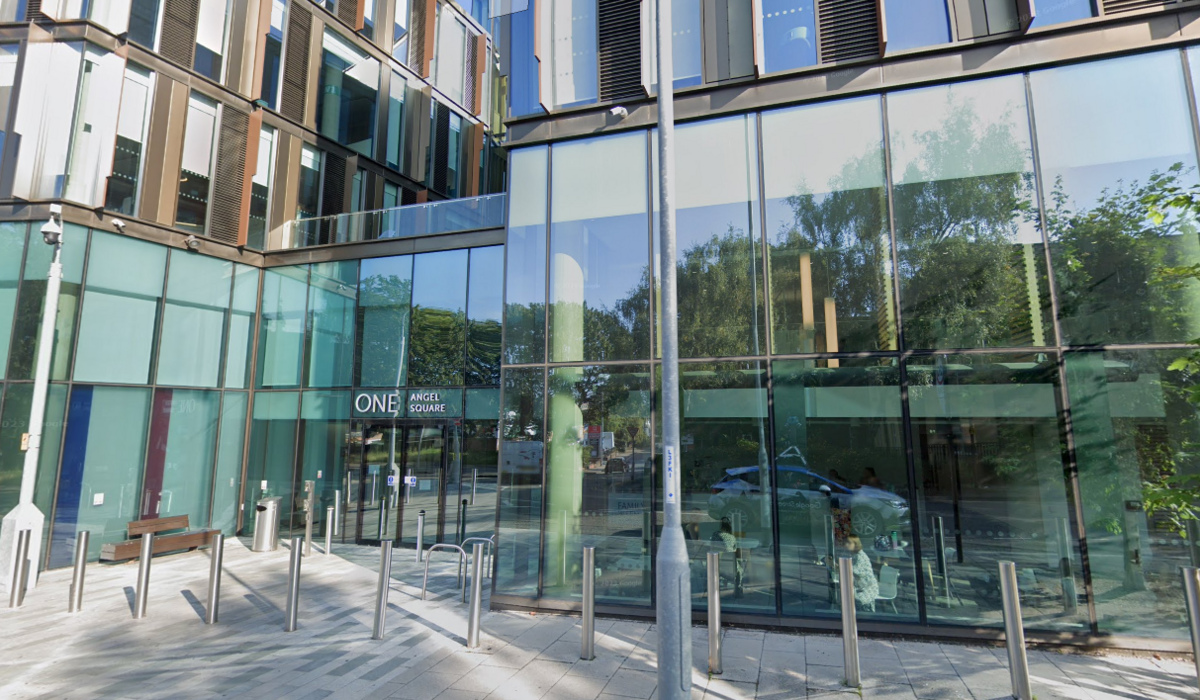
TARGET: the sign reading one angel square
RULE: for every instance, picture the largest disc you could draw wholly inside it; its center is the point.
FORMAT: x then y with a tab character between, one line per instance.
414	403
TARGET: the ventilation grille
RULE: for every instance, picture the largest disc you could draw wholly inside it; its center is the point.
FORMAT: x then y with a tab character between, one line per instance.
293	99
441	148
1116	7
33	12
416	38
230	182
347	11
333	199
849	29
407	196
471	76
178	43
620	43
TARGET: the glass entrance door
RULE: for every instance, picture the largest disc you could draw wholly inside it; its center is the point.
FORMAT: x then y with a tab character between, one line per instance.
405	468
425	469
380	486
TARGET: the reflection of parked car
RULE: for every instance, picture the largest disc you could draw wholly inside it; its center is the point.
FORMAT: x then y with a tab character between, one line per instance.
615	466
873	511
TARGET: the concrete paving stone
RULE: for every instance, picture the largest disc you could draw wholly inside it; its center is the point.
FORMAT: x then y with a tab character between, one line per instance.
781	662
484	679
940	688
562	651
453	694
426	686
778	685
825	677
458	663
632	683
511	656
722	689
577	687
889	692
601	667
536	678
641	658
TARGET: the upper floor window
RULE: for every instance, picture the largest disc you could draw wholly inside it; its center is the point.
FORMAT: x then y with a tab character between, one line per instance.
122	194
1061	11
400	32
346	103
397	92
260	190
916	23
308	196
143	22
210	38
195	175
273	55
574	76
789	34
8	77
451	55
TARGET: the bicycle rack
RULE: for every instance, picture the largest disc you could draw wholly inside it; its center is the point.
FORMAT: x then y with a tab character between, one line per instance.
490	543
429	557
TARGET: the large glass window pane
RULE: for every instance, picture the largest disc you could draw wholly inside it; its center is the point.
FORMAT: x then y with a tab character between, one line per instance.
93	131
272	454
525	297
101	467
827	226
484	311
599	482
179	461
725	481
273	54
843	488
719	238
480	457
281	333
397	91
574	74
916	23
384	302
522	450
241	327
260	190
14	424
122	195
346	102
8	76
439	302
228	478
195	177
143	22
451	54
599	276
1062	11
1096	169
1135	430
119	323
400	31
27	327
971	259
193	331
308	196
687	44
210	38
986	439
790	33
12	255
45	117
330	332
324	425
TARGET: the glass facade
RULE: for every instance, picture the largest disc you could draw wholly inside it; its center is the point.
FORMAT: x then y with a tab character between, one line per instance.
939	330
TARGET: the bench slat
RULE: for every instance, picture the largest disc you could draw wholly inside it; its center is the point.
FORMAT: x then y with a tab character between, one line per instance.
138	528
132	549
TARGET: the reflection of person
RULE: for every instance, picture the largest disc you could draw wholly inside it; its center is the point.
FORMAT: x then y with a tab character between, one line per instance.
866	586
870	478
727	539
834	476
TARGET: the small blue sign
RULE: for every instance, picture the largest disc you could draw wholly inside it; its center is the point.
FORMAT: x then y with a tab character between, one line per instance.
391	479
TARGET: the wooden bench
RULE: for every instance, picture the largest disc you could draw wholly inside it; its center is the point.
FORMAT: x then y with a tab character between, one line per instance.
132	548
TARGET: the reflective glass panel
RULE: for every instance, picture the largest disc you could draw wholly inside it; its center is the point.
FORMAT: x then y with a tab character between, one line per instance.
329	351
324	424
179	459
484	302
789	34
827	229
346	102
27	326
272	453
281	327
522	449
397	91
240	336
123	184
195	179
384	301
1097	168
439	301
687	44
210	38
480	457
14	423
599	272
525	298
1062	11
12	255
228	477
260	190
574	74
273	54
193	327
143	22
916	23
971	258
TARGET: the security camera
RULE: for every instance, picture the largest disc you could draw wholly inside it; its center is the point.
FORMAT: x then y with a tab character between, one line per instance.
619	112
52	229
119	225
192	243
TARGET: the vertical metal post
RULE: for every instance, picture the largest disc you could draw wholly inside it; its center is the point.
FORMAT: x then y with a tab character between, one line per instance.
293	595
20	578
143	576
216	553
849	622
587	646
420	536
714	612
462	523
407	488
1191	596
1193	540
1066	571
385	585
309	509
474	483
337	513
329	521
75	602
1014	632
562	550
476	596
939	543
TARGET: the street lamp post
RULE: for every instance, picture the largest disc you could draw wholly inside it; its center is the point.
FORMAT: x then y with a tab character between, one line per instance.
673	575
26	516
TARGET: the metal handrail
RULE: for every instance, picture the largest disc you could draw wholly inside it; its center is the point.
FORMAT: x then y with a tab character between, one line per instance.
429	557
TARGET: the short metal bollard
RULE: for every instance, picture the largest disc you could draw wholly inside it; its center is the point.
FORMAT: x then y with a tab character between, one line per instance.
1191	596
329	529
587	646
849	622
143	576
20	579
474	482
939	543
293	594
216	553
75	601
420	536
1014	632
714	612
462	522
476	596
385	585
337	512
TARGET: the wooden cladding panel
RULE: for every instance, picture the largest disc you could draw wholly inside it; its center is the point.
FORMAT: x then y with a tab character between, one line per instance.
294	95
229	183
178	41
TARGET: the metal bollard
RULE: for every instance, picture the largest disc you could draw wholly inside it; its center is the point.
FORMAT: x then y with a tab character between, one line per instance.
385	586
75	602
216	553
587	647
462	523
849	622
474	482
293	594
1014	632
20	579
420	536
337	512
476	596
329	521
1193	540
308	532
143	576
714	612
407	487
939	543
1191	596
1066	571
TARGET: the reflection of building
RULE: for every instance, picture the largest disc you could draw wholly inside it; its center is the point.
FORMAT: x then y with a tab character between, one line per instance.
919	303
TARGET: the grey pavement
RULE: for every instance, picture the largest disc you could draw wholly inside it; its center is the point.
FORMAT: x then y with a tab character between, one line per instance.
102	652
